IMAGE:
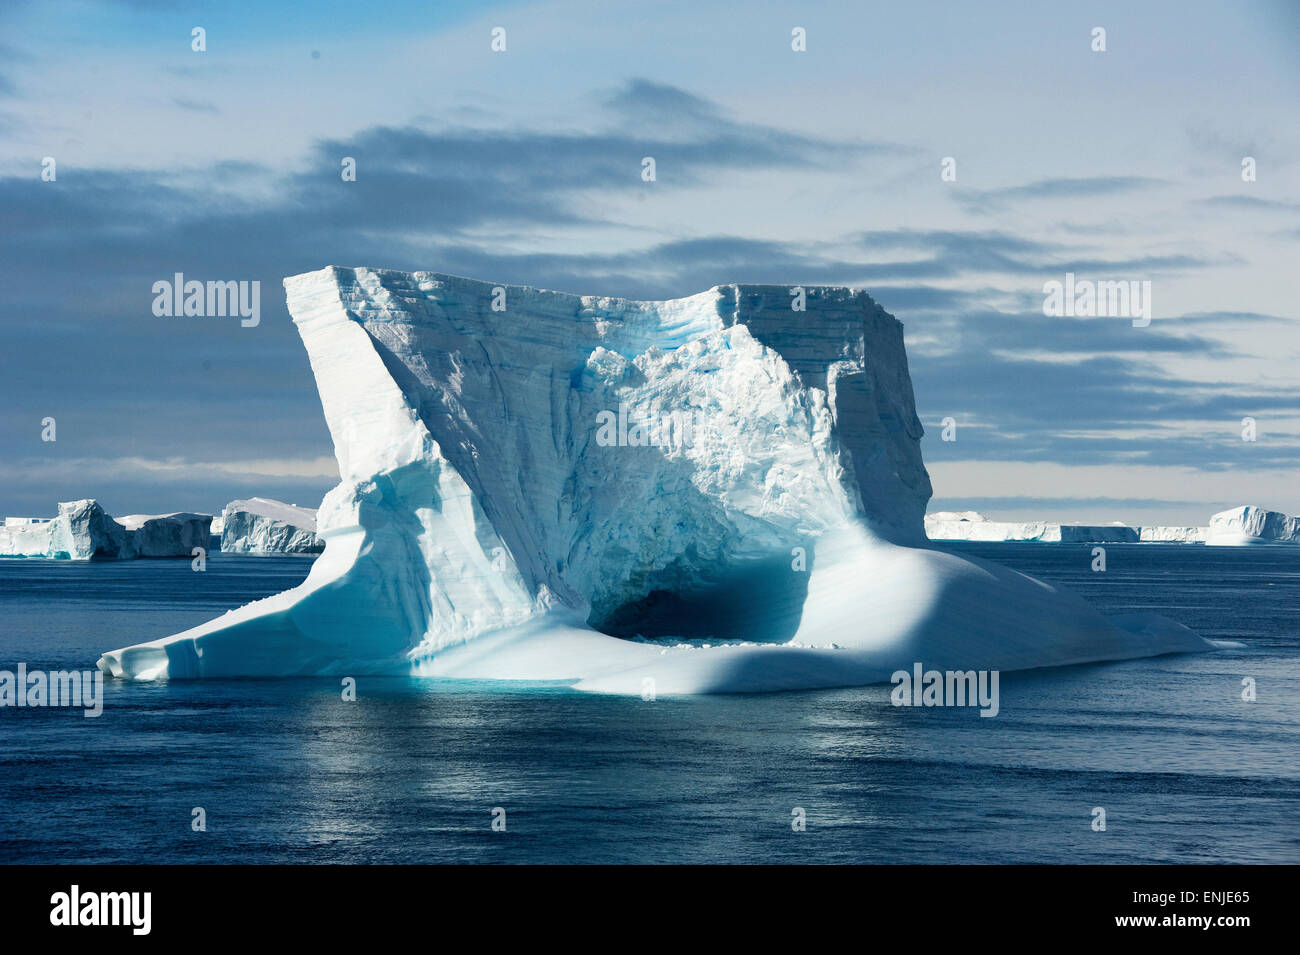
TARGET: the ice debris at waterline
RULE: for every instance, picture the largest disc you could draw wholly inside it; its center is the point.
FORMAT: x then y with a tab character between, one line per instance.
260	525
490	524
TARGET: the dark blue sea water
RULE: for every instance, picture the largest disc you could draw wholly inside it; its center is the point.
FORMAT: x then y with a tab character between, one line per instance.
410	772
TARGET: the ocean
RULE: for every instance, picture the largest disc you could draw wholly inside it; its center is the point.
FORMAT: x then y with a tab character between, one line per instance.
417	771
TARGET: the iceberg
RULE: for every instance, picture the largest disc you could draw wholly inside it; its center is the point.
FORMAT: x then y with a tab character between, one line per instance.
260	525
83	531
710	494
1174	535
1252	525
973	526
167	535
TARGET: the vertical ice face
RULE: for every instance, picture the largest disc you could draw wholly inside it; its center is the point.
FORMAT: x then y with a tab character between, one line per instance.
260	525
1253	525
80	531
83	531
770	425
524	471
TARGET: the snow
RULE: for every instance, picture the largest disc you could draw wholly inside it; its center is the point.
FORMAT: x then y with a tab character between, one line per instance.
83	531
260	525
482	531
1252	525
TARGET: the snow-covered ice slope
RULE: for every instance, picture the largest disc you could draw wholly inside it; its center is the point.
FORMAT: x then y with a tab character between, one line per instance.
260	525
1253	525
518	483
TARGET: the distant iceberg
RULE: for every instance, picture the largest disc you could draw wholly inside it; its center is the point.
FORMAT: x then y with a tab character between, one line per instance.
1252	525
260	525
973	526
167	535
530	476
83	531
1174	535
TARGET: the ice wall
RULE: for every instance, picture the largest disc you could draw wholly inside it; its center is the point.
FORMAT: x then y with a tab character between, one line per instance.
83	531
973	526
167	535
260	525
1253	525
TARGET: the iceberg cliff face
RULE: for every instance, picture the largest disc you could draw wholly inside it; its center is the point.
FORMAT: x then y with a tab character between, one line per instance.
83	531
263	526
525	472
167	535
1253	525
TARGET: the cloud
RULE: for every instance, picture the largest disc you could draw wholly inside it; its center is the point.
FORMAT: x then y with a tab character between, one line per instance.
196	106
1067	188
640	99
1099	410
143	402
1255	203
177	469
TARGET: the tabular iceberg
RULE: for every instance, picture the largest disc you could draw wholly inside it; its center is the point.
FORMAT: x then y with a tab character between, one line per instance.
1252	525
263	526
167	535
1174	535
83	531
973	526
525	473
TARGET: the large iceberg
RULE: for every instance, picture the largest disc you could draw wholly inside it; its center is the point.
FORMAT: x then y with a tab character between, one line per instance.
973	526
83	531
260	525
1252	525
531	477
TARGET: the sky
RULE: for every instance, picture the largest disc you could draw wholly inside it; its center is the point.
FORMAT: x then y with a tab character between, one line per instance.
773	165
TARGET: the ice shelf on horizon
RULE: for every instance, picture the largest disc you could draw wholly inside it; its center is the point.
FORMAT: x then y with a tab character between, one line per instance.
490	523
973	526
1247	524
